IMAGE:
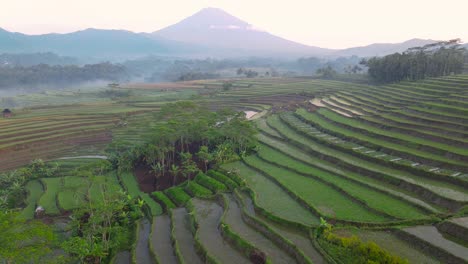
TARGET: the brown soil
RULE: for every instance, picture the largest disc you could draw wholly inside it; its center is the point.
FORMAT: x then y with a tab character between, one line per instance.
148	182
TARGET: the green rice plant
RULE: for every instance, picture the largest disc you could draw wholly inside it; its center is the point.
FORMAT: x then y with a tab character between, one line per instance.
375	199
210	183
326	200
48	200
164	200
197	190
223	179
271	197
35	191
178	195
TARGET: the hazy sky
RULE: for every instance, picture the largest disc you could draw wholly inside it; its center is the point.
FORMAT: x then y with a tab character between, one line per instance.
324	23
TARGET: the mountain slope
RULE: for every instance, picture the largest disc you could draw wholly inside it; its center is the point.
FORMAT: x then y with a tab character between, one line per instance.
382	49
88	43
215	28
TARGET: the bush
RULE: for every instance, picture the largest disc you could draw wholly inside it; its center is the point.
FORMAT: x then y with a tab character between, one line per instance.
178	195
197	190
210	183
352	250
162	198
224	179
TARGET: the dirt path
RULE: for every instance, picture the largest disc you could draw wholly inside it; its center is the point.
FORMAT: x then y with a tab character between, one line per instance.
317	102
431	235
208	214
161	240
301	241
234	220
184	236
142	248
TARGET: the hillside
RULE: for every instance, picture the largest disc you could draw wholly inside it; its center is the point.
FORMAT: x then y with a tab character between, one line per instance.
382	49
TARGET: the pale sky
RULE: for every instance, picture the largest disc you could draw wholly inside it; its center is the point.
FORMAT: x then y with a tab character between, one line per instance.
323	23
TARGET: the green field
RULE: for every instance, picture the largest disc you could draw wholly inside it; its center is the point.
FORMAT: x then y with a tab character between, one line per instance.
382	163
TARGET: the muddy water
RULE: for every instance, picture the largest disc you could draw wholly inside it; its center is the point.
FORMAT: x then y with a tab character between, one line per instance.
431	234
208	215
184	236
234	220
161	240
300	240
142	247
123	257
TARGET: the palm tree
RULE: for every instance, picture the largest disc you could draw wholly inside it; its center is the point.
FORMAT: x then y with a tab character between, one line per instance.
174	171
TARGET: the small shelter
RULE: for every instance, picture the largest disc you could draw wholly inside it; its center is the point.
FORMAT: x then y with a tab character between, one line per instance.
6	113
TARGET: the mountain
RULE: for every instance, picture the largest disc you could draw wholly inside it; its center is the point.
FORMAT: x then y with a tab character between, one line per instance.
382	49
96	43
214	28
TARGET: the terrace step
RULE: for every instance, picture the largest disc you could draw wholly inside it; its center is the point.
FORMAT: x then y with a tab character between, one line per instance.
236	223
431	241
161	244
142	250
301	240
183	237
208	215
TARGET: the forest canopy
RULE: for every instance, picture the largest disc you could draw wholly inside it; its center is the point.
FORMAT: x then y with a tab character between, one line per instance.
432	60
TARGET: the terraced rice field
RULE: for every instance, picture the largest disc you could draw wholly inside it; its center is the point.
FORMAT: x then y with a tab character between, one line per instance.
388	164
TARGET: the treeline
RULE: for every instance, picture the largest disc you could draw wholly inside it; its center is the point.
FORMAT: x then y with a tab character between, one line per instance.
47	75
30	59
432	60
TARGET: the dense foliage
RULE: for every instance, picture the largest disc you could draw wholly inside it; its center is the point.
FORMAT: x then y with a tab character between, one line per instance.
22	242
43	74
432	60
12	184
103	227
189	138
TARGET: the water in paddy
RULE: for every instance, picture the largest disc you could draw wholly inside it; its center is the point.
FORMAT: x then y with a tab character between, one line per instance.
300	240
184	236
123	257
208	215
142	248
161	240
234	220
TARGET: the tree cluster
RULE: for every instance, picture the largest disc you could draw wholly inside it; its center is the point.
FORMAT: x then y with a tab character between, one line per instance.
432	60
57	75
188	139
12	184
247	72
